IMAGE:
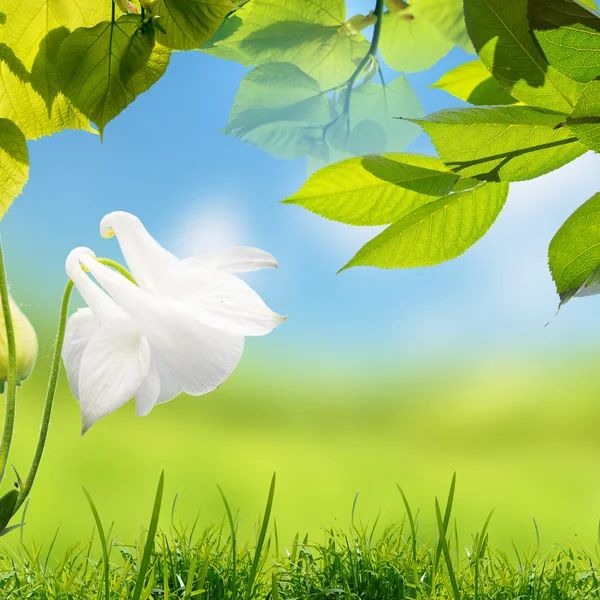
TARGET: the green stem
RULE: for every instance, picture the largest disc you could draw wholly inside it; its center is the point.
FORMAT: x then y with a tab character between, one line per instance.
11	394
54	372
371	54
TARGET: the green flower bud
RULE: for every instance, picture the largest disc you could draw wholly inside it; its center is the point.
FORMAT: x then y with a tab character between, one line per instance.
25	342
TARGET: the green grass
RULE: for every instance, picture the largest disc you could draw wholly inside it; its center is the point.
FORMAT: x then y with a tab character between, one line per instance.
376	562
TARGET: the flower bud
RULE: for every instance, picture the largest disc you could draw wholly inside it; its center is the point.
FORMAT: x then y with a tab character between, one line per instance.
357	23
25	342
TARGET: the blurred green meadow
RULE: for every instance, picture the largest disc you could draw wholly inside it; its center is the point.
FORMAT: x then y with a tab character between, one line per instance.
522	437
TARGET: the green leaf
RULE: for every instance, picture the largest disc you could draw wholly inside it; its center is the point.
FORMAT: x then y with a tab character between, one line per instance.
376	189
574	252
20	103
370	125
411	44
511	143
501	35
8	503
96	67
436	232
190	23
473	83
584	122
31	23
447	17
569	35
14	163
280	109
226	51
307	34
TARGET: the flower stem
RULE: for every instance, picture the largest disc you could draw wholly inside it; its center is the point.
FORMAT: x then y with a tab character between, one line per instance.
54	371
11	394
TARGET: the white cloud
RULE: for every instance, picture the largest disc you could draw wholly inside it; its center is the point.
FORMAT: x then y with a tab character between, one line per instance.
209	226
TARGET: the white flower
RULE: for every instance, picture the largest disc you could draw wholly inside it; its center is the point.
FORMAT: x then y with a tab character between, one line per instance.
180	329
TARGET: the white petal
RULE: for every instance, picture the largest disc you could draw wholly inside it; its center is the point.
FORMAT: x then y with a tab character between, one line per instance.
149	263
81	326
226	302
113	367
198	356
169	386
103	306
149	392
239	259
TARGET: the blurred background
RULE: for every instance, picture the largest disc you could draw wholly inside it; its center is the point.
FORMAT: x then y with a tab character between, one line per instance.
378	377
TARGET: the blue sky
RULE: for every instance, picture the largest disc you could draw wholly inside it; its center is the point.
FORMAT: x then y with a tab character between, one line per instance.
197	189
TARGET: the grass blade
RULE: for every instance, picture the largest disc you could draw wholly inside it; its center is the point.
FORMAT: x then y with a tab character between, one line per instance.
233	545
261	540
139	586
446	552
102	542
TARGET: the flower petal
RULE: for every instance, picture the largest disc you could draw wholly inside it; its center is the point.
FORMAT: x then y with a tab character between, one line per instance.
239	259
149	392
169	386
198	356
113	367
226	302
148	261
81	326
103	306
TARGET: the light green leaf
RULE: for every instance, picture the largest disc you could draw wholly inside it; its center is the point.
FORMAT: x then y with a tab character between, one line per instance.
585	119
14	163
30	22
190	23
280	109
375	189
371	124
436	232
447	17
501	35
411	45
226	51
569	35
307	34
511	143
473	83
20	103
574	252
91	73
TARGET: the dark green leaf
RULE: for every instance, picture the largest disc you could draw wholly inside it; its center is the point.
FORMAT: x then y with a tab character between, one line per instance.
569	35
500	32
7	507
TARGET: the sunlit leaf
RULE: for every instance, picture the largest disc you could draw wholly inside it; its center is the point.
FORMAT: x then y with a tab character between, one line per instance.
190	23
569	35
14	163
510	143
574	253
500	32
447	17
473	83
306	34
280	109
436	232
411	44
226	51
92	72
585	119
375	189
20	103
